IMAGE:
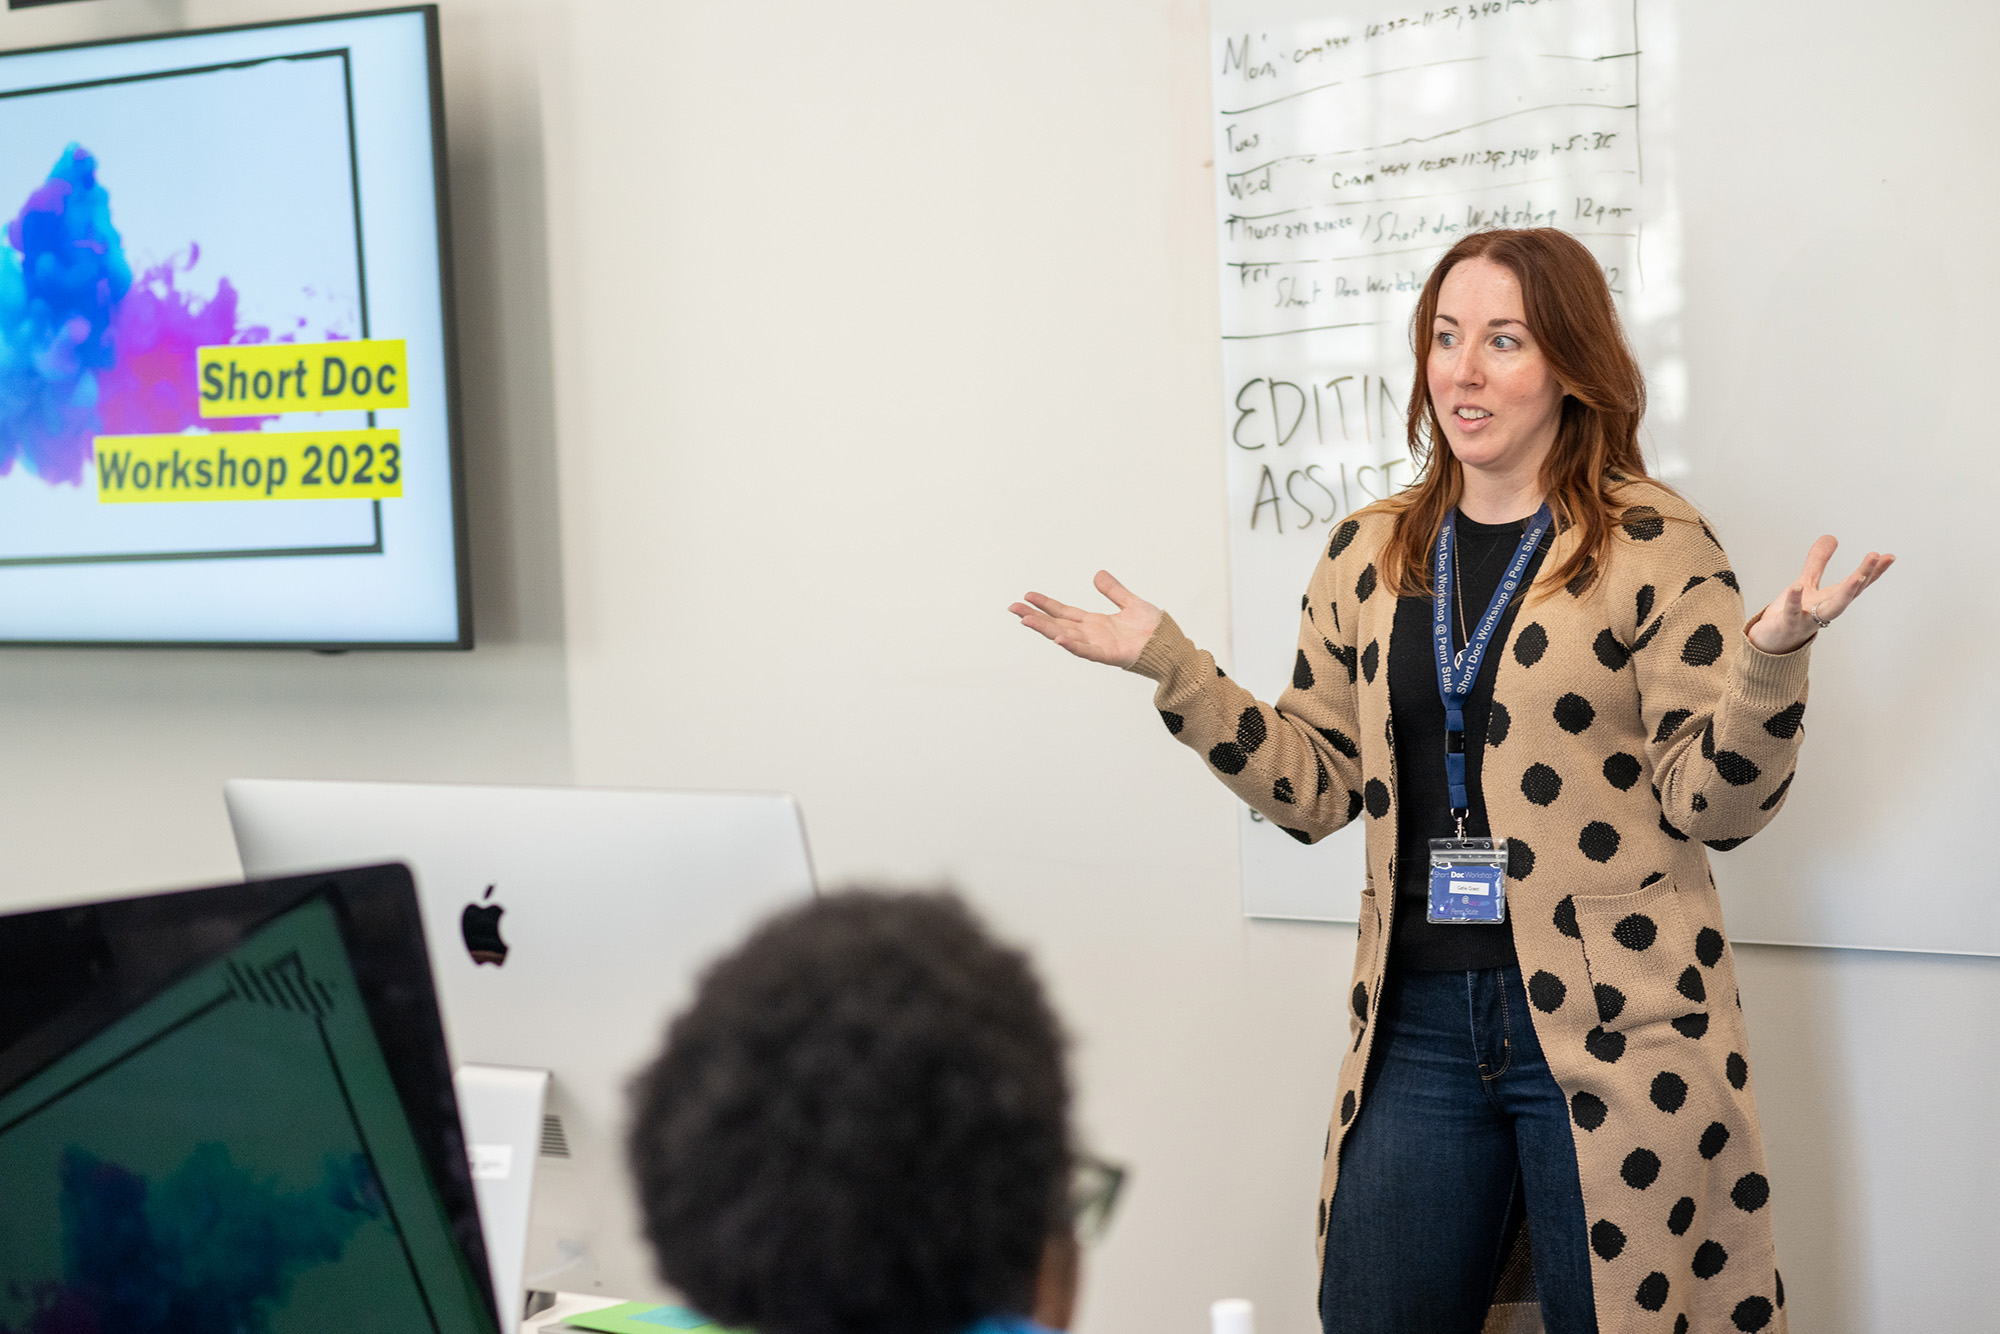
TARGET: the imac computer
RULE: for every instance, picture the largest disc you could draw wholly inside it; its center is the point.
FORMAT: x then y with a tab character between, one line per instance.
231	1109
565	926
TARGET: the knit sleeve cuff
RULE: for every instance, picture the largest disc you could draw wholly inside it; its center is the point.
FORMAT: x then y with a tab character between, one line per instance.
1764	676
1167	654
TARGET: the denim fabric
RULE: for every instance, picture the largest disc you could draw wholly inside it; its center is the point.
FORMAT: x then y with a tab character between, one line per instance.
1463	1133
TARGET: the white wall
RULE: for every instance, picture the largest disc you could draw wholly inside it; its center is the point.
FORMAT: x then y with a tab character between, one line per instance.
835	327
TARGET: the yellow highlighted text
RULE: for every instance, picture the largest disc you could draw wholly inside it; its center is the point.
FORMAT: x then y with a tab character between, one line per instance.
255	380
248	465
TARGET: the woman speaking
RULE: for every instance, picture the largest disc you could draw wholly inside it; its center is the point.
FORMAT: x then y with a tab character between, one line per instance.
1531	670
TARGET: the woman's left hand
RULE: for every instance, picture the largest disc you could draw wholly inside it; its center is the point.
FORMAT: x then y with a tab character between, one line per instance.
1789	621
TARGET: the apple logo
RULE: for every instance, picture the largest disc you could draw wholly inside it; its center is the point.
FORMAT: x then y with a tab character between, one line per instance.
480	925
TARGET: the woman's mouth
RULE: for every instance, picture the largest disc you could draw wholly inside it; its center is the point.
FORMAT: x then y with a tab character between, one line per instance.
1471	417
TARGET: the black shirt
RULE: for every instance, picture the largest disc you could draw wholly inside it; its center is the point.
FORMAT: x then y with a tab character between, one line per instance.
1417	943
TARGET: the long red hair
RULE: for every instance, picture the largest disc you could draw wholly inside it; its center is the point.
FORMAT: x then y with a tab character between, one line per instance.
1571	318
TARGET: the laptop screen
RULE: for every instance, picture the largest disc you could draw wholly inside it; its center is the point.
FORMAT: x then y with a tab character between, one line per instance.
233	1152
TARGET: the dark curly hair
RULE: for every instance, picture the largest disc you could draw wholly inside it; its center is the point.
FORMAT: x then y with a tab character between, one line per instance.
860	1126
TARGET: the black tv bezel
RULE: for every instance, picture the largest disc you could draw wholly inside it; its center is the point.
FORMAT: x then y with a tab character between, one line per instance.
448	300
169	935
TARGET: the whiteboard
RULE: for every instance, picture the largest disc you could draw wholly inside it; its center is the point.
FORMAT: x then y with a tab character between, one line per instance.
1353	145
1813	322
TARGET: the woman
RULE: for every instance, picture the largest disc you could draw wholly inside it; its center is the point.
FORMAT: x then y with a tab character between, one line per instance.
1581	1062
861	1126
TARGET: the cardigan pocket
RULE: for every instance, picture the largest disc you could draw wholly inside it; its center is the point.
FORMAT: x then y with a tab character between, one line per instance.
1641	959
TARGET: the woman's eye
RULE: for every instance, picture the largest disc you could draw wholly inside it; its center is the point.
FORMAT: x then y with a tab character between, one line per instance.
1505	342
1446	340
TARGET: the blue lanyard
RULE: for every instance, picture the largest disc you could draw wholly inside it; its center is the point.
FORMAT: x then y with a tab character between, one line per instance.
1457	673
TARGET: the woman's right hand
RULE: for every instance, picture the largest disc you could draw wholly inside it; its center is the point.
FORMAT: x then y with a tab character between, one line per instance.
1115	639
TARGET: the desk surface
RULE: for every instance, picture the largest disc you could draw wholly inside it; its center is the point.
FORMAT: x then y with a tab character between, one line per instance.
567	1305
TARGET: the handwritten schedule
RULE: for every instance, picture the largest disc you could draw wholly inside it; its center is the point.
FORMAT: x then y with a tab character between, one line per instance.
1350	151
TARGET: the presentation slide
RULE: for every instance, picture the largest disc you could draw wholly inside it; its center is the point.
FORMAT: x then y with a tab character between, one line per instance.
225	403
231	1155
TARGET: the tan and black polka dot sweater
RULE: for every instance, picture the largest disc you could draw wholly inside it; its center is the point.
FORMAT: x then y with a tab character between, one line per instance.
1667	734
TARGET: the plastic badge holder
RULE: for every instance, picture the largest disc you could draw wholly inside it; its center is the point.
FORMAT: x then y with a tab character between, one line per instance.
1468	880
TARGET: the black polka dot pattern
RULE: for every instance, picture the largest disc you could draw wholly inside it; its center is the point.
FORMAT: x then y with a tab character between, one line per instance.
1681	1217
1736	770
1751	1314
1364	587
1636	931
1689	984
1340	741
1228	757
1693	584
1610	652
1751	1192
1703	647
1347	1107
1547	991
1574	714
1343	537
1621	771
1610	1002
1375	793
1691	1026
1714	1140
1587	1110
1670	723
1708	946
1282	791
1709	1258
1653	1289
1680	1321
1771	802
1345	656
1669	1091
1643	604
1323	779
1728	578
1670	831
1541	784
1640	1169
1725	844
1598	841
1520	859
1371	659
1785	723
1174	721
1531	644
1604	1045
1565	917
1646	635
1354	803
1498	723
1359	1000
1607	1239
1302	673
1642	523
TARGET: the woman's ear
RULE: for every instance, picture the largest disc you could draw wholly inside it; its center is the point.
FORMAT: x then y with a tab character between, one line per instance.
1056	1281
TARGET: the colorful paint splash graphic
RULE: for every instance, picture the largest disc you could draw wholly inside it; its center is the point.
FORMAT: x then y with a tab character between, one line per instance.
84	348
208	1248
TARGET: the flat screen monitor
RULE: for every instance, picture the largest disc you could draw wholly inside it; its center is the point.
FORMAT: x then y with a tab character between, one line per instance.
230	1109
566	926
227	380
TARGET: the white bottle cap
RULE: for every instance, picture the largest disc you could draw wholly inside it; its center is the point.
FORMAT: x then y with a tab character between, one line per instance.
1232	1315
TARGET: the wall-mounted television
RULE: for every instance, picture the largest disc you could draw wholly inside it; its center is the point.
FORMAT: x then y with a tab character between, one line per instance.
227	372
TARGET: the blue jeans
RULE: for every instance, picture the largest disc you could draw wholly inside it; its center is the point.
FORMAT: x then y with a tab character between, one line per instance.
1463	1135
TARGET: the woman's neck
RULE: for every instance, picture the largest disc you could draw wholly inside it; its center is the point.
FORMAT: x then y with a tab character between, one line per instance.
1485	498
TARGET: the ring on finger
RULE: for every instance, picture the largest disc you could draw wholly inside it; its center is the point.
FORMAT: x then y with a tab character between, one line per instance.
1813	612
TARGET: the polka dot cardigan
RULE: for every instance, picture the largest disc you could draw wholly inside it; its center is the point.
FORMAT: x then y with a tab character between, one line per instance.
1634	728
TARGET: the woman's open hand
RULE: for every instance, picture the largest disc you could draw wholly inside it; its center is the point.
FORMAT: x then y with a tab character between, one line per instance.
1789	621
1115	639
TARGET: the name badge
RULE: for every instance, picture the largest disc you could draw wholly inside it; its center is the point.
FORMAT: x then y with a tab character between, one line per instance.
1468	880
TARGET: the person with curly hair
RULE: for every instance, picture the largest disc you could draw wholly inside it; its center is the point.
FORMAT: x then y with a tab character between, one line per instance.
861	1126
